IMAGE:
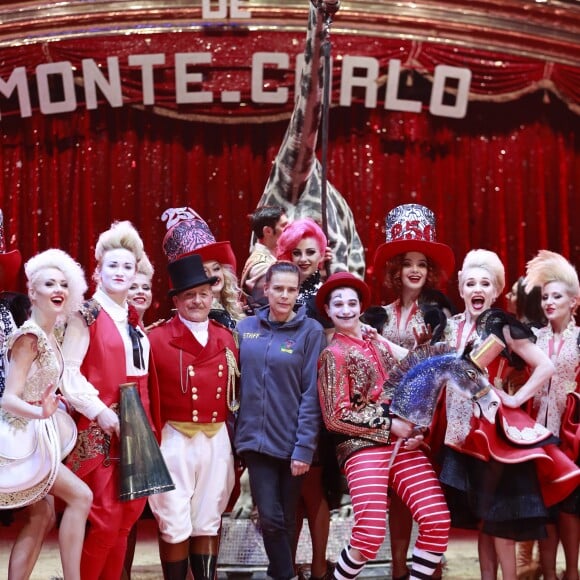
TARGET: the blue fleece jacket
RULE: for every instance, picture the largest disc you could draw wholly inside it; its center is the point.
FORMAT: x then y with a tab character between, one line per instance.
279	407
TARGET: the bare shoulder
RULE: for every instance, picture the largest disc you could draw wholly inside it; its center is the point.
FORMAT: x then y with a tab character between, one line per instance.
25	346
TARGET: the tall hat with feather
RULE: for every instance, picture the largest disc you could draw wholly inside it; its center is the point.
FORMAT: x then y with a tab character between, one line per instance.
188	233
187	244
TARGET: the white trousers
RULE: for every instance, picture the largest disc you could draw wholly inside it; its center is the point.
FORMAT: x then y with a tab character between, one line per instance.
202	469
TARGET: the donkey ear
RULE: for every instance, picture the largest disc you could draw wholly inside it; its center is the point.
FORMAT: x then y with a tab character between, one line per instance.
468	348
435	318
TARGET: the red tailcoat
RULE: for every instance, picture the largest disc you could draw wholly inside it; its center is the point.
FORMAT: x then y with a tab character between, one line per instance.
192	378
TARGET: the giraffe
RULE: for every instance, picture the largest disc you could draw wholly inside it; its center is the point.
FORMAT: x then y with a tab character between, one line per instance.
295	181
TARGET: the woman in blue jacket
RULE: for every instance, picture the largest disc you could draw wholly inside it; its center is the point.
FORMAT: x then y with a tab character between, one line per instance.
279	417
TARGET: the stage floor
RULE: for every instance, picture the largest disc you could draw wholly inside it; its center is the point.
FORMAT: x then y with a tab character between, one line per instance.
461	557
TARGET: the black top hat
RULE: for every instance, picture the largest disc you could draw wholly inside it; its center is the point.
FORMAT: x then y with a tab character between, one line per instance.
186	273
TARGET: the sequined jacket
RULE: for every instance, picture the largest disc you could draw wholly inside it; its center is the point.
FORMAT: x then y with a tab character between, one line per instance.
351	374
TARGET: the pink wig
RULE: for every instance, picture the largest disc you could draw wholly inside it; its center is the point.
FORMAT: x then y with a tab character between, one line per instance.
295	232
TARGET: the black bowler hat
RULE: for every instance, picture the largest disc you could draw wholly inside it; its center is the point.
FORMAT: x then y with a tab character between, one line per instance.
186	273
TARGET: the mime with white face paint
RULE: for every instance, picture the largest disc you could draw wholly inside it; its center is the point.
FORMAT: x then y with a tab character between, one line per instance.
355	409
103	348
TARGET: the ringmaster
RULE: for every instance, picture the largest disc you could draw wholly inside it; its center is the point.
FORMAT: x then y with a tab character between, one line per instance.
195	365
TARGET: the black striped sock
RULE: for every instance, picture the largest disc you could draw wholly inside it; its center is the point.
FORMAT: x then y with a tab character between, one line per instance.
347	567
424	564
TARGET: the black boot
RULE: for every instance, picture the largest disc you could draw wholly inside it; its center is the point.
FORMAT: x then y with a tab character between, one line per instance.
174	570
203	566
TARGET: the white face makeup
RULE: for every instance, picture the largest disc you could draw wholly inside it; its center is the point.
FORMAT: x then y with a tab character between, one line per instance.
343	309
117	271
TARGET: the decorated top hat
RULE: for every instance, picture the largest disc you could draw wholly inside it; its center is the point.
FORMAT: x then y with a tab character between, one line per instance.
186	273
10	262
411	228
342	280
188	233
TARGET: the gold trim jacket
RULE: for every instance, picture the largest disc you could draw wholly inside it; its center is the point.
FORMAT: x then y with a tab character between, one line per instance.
351	374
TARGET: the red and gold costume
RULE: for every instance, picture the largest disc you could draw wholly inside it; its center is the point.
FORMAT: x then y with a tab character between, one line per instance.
355	410
195	383
97	360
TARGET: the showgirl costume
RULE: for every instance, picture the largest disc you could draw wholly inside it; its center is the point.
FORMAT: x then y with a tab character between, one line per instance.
549	403
421	315
355	410
391	330
504	474
557	405
32	449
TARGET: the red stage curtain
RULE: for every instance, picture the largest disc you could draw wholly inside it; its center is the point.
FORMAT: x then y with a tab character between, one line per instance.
505	178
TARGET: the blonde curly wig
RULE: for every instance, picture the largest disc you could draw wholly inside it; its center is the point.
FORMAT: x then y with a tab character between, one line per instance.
75	277
488	261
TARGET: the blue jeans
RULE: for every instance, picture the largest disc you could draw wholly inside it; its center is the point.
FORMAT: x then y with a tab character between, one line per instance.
276	492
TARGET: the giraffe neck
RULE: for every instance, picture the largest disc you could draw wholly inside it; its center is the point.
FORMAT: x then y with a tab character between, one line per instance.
297	155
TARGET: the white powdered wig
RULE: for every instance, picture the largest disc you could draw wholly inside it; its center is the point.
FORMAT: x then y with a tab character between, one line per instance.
121	235
488	261
145	267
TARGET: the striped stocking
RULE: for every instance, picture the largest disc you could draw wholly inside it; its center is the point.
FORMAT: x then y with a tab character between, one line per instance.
424	564
347	568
